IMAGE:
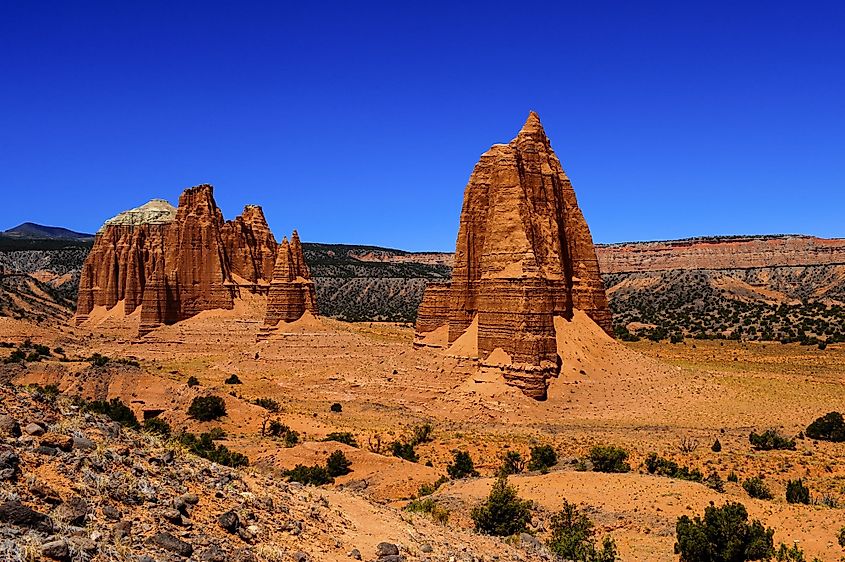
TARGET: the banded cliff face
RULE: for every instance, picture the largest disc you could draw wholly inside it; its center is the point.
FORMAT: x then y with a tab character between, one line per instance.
291	290
717	253
175	263
524	255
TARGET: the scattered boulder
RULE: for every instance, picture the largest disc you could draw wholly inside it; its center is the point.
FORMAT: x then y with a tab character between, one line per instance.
15	513
167	541
9	426
73	511
35	429
57	441
9	462
56	550
229	521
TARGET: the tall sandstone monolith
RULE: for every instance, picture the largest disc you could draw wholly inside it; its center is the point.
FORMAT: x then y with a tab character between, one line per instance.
176	262
291	289
524	255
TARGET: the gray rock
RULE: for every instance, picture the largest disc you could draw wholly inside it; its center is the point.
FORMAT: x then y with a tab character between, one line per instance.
110	512
212	554
49	451
300	557
72	511
386	549
530	541
122	530
9	461
57	550
355	553
83	443
171	543
191	499
9	426
35	429
229	521
426	548
172	515
15	513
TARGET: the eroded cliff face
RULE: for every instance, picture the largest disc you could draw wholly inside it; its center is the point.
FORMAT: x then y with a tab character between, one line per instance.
291	290
524	255
174	263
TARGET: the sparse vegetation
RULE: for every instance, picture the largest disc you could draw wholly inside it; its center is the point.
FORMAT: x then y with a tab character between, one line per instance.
543	457
829	427
717	446
338	464
157	426
404	451
281	431
723	535
427	505
757	488
342	437
315	475
797	492
461	466
233	379
207	408
664	467
769	440
336	408
428	489
268	404
204	446
193	381
573	537
512	463
115	409
503	513
608	458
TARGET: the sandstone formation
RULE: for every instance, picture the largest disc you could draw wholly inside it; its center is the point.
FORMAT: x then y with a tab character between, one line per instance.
434	308
291	291
524	255
730	252
174	263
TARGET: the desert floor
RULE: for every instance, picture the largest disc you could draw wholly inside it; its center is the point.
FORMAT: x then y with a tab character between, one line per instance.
645	397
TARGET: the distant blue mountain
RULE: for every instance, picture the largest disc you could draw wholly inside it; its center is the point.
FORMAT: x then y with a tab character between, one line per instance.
32	231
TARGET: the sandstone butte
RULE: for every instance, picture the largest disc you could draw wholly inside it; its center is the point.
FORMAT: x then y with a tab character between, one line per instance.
524	255
175	263
291	290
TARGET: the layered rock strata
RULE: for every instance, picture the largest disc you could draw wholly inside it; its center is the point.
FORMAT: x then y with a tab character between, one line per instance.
291	290
174	263
524	255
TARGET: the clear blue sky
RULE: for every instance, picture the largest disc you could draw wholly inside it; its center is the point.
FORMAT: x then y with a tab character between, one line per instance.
360	123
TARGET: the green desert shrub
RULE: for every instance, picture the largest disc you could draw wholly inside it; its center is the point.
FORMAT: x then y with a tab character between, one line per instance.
608	458
115	409
430	507
461	466
233	379
422	433
336	408
757	488
279	430
315	475
204	446
732	477
717	446
157	426
404	451
664	467
503	513
769	440
723	535
98	360
543	457
207	408
829	427
428	489
797	492
338	464
841	537
268	404
342	437
193	381
512	463
573	537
